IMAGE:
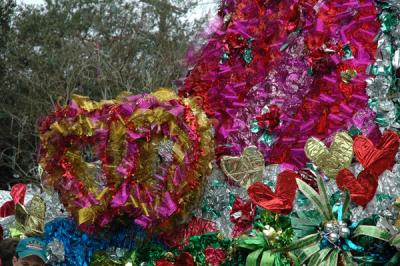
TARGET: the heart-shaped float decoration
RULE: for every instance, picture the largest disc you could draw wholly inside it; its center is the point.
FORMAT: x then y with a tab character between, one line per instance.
375	161
334	159
30	219
18	195
382	156
362	189
280	201
140	156
245	169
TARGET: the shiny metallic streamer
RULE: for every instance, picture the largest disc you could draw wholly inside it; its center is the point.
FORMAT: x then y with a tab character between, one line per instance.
382	88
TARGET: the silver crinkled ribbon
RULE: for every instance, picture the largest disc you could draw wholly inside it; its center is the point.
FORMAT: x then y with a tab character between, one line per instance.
384	93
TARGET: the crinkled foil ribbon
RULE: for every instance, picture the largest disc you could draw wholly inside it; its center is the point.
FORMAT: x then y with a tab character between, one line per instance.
383	88
310	62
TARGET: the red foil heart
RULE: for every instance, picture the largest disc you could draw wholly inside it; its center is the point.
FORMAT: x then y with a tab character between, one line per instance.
381	157
375	161
18	195
280	201
362	189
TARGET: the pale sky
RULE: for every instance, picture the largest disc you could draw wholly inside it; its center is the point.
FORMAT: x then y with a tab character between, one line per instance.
204	7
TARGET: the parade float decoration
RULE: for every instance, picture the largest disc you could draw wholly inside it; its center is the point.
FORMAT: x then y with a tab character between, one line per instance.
279	148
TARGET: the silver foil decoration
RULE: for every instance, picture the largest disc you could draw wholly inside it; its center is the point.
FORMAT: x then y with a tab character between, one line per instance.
56	252
215	205
54	208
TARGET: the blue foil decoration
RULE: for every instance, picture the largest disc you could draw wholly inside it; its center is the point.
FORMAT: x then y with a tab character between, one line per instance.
79	247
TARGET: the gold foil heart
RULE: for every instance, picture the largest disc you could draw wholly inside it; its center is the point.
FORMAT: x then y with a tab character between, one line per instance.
245	169
334	159
30	221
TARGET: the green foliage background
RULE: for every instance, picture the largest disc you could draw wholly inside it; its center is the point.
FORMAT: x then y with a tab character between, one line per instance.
96	48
